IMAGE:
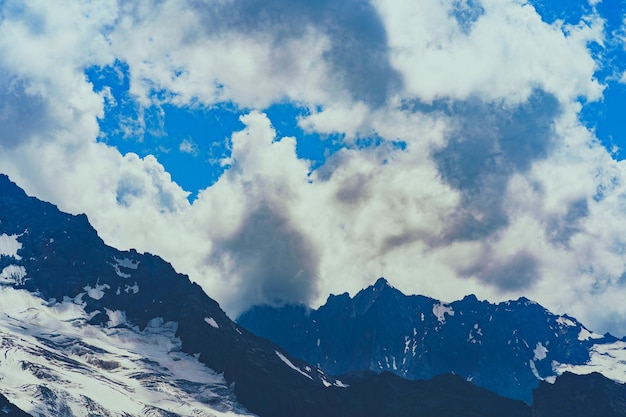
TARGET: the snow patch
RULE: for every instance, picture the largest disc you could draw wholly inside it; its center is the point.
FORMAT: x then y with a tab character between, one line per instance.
124	371
124	263
211	321
132	288
127	263
13	274
609	359
533	368
120	273
291	365
540	352
440	310
97	292
9	246
564	321
586	335
117	318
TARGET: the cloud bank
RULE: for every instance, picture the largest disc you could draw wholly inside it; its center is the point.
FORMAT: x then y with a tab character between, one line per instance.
464	166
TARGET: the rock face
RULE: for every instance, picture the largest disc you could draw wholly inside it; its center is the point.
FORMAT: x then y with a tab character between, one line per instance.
580	396
61	285
10	410
507	348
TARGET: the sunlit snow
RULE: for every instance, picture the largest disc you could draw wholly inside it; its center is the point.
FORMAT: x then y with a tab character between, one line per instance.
540	352
586	335
93	370
565	321
97	292
12	274
9	246
608	359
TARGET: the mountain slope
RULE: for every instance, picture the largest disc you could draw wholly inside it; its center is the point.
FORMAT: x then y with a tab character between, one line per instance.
580	396
54	364
417	337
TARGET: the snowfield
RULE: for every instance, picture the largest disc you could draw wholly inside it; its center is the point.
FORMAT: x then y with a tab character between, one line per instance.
52	363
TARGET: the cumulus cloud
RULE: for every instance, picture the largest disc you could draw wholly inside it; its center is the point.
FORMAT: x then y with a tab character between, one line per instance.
357	54
491	48
496	188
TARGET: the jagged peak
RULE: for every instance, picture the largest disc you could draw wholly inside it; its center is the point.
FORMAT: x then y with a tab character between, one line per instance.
381	283
471	298
338	297
9	187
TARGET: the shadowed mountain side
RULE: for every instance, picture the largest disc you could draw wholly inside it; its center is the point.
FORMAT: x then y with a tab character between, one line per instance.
10	410
580	396
417	337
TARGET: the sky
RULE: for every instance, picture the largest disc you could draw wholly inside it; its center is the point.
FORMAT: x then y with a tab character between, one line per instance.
278	151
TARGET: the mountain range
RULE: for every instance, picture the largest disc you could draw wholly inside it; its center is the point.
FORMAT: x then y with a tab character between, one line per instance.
507	348
89	330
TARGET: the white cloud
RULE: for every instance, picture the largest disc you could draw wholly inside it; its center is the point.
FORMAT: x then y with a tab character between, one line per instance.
188	146
508	52
169	46
268	228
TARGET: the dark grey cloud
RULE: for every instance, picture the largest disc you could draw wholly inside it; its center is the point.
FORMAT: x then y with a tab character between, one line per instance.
353	189
358	54
22	113
406	238
514	273
517	273
276	261
489	143
560	229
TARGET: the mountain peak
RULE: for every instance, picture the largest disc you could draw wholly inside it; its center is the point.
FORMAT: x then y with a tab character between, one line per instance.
8	187
381	283
470	298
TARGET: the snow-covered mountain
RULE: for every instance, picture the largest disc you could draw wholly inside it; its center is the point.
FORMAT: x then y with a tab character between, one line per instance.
84	332
507	348
56	364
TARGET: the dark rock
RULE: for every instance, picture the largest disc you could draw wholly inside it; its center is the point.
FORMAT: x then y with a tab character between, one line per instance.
592	395
417	337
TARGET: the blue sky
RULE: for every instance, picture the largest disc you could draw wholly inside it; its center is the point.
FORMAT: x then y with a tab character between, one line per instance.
191	141
279	151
